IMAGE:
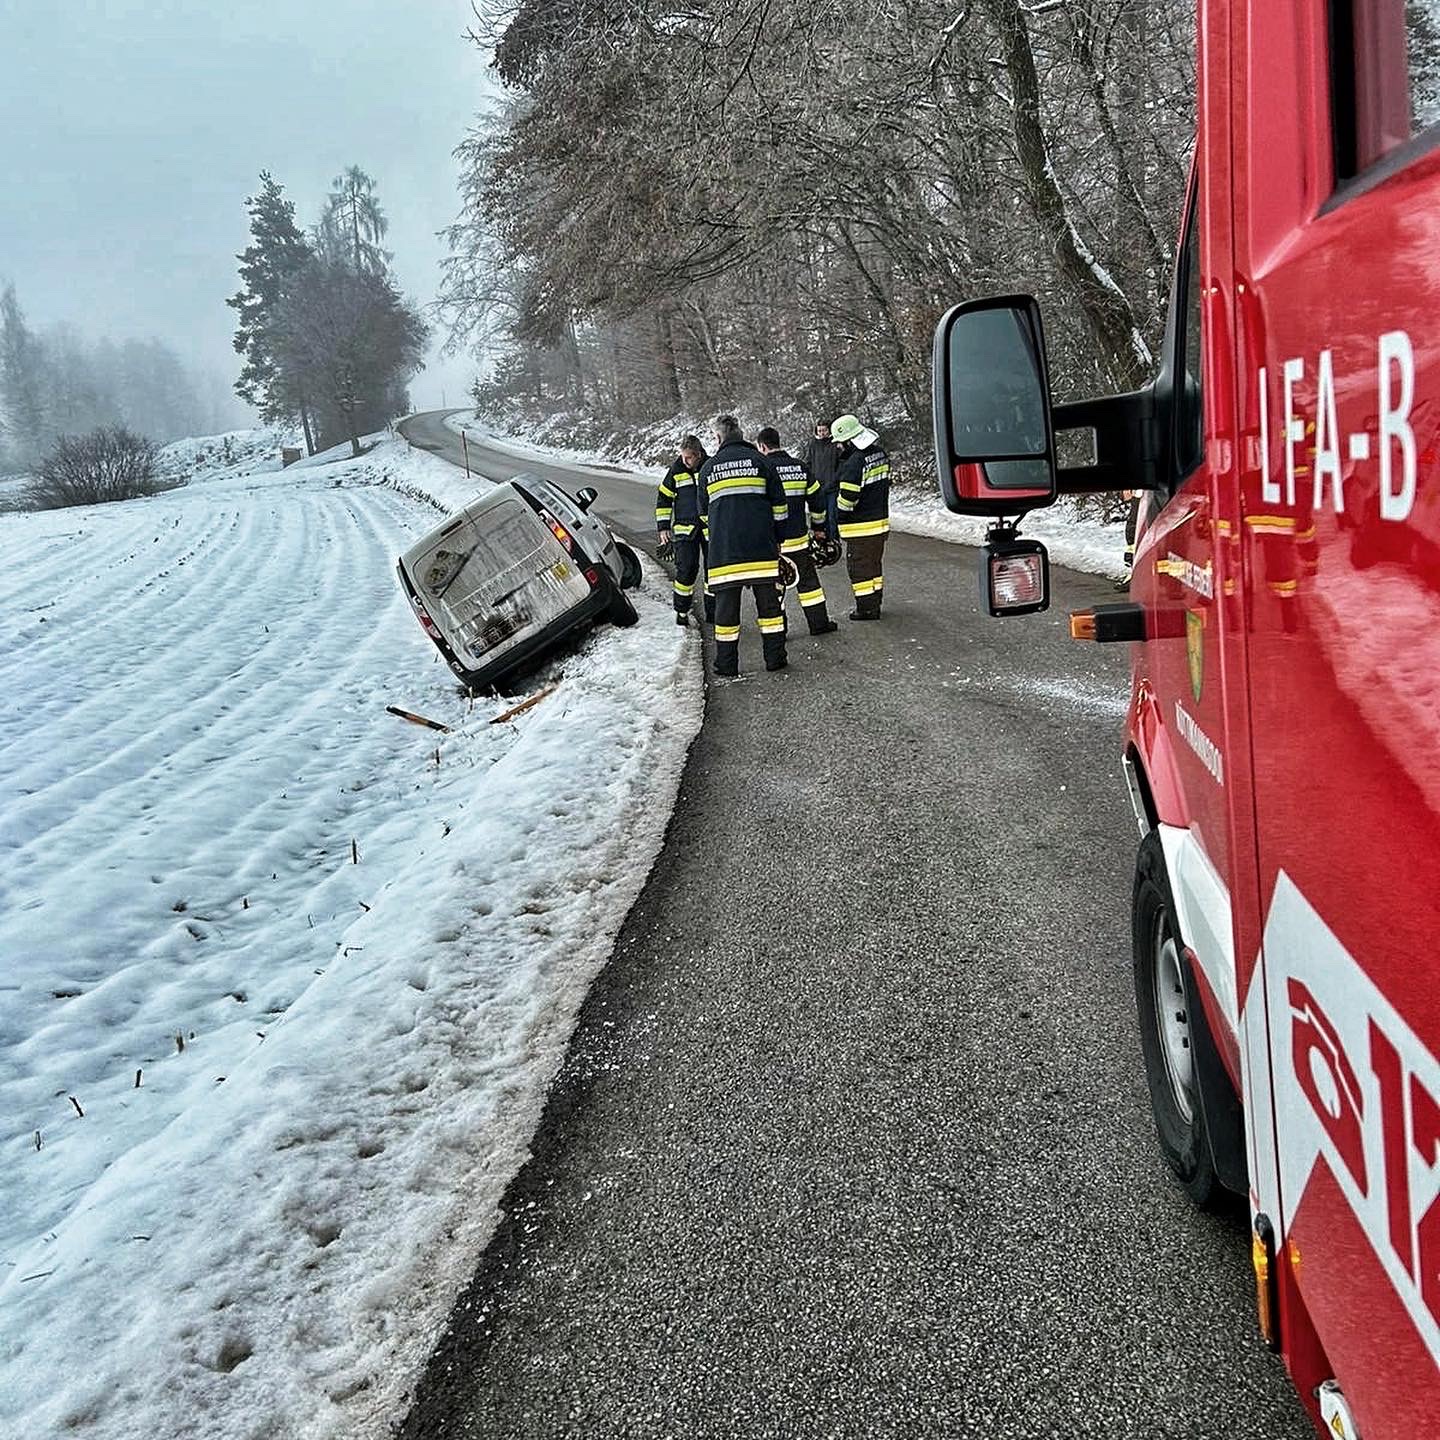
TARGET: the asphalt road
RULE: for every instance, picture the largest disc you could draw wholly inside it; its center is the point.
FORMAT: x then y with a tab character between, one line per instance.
852	1138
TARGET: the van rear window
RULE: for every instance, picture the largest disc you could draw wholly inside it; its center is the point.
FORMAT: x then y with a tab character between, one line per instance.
1386	77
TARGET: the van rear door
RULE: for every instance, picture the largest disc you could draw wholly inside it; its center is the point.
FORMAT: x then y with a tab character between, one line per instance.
494	576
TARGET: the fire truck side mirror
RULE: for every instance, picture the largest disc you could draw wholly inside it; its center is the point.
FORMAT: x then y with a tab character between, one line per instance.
994	435
586	496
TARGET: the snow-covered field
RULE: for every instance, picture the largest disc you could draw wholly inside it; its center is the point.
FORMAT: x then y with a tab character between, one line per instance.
1073	539
283	979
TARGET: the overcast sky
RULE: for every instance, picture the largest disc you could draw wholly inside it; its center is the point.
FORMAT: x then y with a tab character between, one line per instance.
131	132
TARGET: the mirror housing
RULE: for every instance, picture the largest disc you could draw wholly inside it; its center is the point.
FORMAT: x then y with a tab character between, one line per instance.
586	496
1014	574
994	435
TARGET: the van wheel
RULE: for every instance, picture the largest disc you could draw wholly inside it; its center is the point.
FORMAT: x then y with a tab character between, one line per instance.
1170	1018
621	612
630	572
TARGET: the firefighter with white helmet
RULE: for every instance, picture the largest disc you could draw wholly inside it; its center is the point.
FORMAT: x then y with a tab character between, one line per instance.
864	510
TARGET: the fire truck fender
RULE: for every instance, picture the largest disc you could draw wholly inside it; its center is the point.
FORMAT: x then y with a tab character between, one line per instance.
1152	761
1200	905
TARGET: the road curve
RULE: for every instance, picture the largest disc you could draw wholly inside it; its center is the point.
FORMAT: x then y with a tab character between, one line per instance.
852	1138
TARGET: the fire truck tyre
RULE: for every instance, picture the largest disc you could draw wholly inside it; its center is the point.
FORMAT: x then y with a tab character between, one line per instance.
621	612
630	572
1167	1022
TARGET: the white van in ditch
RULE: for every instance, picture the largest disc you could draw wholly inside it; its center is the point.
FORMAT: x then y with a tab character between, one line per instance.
512	573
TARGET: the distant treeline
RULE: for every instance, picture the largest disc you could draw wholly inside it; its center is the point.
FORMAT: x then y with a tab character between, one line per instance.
327	338
58	382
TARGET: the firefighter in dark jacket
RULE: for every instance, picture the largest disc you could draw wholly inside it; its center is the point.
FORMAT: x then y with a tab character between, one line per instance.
677	518
806	515
744	510
864	507
822	460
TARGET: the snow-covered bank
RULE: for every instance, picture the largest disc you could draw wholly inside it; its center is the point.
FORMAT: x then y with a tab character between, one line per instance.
1075	540
307	971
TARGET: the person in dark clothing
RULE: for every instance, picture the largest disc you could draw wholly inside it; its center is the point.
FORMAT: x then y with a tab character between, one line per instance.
744	510
822	460
806	514
677	518
864	506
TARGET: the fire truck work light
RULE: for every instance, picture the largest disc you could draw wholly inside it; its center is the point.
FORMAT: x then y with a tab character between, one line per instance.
1017	577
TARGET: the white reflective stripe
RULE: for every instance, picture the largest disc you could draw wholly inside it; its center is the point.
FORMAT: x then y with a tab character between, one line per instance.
1202	906
1334	1035
1257	1097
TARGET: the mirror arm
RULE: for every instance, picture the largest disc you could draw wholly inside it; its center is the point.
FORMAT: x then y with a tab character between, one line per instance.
1127	443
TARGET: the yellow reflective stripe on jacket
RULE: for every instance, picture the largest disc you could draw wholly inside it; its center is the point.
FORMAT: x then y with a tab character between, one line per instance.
745	485
780	512
854	529
747	570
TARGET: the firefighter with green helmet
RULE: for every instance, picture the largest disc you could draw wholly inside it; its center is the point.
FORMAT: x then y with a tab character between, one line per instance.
864	512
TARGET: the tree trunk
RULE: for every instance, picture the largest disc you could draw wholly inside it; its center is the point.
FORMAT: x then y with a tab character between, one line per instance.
1106	308
306	426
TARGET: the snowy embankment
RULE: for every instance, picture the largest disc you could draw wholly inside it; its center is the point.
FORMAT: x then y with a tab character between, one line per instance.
1074	540
285	979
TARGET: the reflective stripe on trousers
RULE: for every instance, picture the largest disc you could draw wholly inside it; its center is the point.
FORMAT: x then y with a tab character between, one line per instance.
864	559
769	613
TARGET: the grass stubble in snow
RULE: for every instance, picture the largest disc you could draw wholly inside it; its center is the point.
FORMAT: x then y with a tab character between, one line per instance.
340	1064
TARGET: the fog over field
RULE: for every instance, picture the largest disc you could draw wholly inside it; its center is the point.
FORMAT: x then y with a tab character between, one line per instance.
138	127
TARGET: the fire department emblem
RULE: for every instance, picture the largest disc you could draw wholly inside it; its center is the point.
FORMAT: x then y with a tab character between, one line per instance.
1195	650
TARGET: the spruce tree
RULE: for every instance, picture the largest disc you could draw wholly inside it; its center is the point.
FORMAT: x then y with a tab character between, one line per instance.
353	225
269	266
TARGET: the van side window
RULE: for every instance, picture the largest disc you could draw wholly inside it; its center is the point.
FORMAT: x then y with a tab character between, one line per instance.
1385	77
1189	411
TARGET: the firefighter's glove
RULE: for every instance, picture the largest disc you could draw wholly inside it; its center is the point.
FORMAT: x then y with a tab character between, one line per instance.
665	550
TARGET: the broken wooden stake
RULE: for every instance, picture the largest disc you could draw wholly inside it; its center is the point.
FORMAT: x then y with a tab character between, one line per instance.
524	705
417	719
137	1079
76	1104
354	853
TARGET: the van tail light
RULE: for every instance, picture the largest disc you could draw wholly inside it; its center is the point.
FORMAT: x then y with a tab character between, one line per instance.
426	623
559	531
593	575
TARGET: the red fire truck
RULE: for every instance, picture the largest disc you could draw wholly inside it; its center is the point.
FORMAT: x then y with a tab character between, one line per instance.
1283	741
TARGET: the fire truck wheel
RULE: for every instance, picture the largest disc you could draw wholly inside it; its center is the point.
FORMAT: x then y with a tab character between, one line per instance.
1168	1022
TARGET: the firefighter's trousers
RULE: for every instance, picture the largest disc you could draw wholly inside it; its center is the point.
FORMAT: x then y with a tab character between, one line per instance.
689	554
864	558
810	591
768	607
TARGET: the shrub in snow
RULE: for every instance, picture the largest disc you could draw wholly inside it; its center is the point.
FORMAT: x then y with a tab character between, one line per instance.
111	463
